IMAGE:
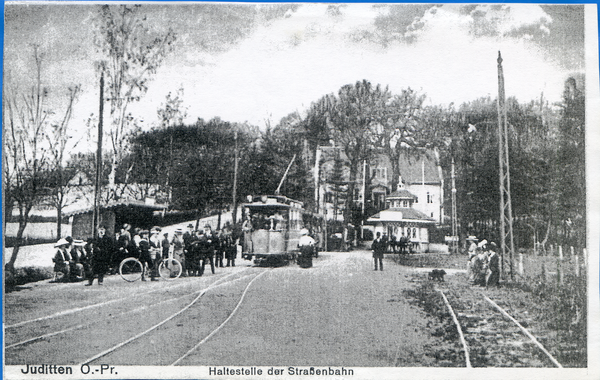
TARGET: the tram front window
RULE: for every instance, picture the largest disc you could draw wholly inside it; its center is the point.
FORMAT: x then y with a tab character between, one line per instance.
273	220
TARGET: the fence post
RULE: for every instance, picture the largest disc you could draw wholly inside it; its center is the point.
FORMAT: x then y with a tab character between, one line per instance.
585	258
577	265
572	251
521	263
559	265
543	272
560	253
551	250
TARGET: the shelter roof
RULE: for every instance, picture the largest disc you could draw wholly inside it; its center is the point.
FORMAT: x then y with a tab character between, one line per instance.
112	205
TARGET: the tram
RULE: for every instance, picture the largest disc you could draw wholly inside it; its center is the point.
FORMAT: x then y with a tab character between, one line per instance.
271	227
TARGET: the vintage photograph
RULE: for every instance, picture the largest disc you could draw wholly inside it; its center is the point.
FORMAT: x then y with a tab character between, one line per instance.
298	190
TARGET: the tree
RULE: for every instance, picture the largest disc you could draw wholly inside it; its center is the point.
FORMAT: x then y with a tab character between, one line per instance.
26	117
397	132
570	179
353	118
133	54
339	187
57	142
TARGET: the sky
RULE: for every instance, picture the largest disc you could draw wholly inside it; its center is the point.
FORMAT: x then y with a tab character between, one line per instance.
257	63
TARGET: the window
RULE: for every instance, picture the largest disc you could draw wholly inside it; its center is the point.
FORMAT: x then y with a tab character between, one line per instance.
404	203
379	173
329	197
429	198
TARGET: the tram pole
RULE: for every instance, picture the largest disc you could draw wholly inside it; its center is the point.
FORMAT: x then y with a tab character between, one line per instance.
235	170
96	213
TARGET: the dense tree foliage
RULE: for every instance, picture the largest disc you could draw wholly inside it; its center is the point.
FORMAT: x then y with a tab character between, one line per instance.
546	150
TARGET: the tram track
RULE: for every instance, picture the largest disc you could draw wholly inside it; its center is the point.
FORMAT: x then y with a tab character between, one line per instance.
144	306
145	337
26	333
490	336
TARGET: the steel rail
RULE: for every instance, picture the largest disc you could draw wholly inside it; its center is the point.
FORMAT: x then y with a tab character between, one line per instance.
137	336
525	331
83	325
221	325
460	333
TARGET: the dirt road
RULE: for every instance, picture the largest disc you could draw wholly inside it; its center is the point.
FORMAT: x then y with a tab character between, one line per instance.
340	312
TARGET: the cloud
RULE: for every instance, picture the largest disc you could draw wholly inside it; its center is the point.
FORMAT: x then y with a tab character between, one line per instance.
447	52
489	20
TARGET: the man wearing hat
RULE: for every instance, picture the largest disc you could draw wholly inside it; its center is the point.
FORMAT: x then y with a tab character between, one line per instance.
146	256
378	247
493	272
102	252
178	250
207	244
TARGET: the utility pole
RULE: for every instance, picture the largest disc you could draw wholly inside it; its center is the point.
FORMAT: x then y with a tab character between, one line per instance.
364	200
96	213
506	222
454	214
235	170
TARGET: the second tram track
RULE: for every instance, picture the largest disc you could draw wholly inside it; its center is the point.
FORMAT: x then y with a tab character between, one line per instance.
490	336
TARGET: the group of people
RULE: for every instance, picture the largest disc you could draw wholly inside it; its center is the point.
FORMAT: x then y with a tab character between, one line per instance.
483	267
100	255
77	259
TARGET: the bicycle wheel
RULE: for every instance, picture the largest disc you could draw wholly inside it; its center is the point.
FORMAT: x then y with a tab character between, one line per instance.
131	269
170	269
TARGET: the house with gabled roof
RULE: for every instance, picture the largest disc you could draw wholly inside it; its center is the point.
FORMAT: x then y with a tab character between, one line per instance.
416	203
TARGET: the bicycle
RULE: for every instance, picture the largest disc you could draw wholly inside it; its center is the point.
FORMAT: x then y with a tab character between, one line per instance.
131	269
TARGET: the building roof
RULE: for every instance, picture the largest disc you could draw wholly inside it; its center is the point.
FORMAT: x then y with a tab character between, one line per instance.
401	214
401	194
124	203
417	169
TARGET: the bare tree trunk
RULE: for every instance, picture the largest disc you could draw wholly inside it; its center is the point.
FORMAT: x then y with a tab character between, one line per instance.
58	222
10	266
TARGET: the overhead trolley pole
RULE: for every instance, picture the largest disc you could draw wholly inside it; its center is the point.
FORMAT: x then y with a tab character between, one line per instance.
506	221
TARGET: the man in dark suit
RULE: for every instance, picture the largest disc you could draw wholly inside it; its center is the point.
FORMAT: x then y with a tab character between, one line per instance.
146	256
379	247
207	244
102	250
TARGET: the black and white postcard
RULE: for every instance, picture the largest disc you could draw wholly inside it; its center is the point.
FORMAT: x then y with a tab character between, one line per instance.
219	190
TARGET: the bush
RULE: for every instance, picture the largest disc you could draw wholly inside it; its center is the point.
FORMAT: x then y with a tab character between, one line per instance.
22	276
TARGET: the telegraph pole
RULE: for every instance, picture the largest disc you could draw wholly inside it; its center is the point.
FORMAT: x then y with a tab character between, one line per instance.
96	213
506	221
235	170
454	214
